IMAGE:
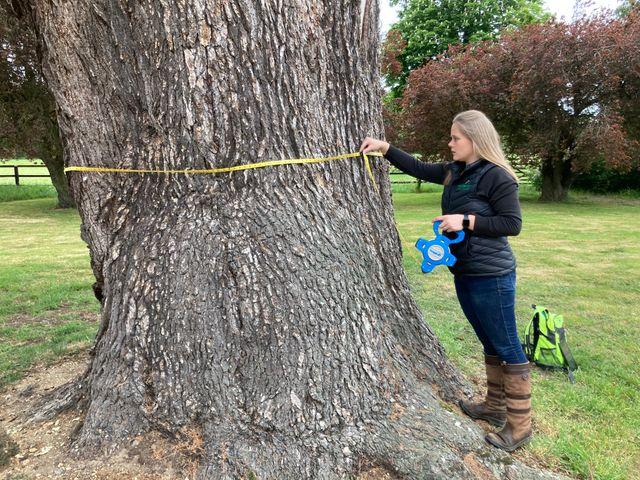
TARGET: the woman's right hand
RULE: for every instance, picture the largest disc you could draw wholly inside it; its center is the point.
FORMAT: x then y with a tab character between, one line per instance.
373	145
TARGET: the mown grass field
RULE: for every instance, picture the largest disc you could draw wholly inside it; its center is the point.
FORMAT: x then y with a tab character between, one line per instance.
35	187
46	308
579	258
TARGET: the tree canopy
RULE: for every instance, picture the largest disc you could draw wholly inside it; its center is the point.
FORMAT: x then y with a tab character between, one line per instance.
426	28
28	125
562	95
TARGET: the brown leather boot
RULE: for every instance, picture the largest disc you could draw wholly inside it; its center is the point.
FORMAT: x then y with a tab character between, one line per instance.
517	389
494	408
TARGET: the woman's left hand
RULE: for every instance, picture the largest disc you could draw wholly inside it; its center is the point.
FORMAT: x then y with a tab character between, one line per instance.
450	223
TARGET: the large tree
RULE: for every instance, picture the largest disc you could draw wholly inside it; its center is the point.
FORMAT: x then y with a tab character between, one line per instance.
267	311
27	109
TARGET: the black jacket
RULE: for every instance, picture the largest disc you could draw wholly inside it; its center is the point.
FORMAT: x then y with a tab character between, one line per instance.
482	189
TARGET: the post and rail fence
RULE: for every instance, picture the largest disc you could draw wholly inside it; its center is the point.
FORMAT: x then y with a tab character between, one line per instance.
16	175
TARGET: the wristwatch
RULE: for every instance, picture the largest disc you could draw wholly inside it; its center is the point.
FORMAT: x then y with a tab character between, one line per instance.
465	221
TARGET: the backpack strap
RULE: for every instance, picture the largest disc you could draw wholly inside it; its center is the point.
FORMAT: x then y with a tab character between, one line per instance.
564	348
536	328
529	344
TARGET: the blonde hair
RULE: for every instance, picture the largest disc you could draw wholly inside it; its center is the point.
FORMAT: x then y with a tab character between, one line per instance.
484	137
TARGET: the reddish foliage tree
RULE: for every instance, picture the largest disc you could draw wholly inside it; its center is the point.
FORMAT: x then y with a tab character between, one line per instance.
391	49
627	34
562	95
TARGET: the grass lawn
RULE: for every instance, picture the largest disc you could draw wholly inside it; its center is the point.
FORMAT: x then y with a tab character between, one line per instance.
46	305
29	187
578	258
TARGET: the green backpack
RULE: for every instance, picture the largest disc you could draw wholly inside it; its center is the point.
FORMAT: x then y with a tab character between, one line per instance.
545	342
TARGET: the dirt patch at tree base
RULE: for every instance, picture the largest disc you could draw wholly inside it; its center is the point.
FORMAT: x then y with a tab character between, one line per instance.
52	318
42	447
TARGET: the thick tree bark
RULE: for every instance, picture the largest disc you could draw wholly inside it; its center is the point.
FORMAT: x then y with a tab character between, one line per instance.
266	310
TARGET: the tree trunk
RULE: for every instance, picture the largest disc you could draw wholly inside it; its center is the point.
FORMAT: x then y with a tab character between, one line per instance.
265	310
55	164
52	156
556	179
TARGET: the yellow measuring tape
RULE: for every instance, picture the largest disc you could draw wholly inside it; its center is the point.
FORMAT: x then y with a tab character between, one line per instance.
237	168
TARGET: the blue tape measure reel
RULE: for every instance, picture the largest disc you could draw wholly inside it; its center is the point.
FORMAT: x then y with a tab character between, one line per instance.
436	252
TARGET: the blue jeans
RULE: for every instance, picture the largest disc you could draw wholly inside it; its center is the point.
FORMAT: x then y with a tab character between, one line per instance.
489	305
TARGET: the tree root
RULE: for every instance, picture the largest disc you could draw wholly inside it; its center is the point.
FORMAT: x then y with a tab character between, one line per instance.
73	394
418	440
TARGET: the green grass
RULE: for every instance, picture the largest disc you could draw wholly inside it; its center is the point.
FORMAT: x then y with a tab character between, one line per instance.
29	188
578	258
11	193
47	307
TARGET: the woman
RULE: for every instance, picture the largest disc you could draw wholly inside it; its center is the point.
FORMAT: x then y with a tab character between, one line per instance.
480	196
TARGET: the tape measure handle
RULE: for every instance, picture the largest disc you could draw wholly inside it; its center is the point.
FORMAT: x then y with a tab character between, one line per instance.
459	237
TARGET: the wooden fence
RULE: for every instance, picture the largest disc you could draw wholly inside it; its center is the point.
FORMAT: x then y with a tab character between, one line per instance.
16	175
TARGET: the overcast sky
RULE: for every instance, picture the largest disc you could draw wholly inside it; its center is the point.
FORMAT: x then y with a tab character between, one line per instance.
561	8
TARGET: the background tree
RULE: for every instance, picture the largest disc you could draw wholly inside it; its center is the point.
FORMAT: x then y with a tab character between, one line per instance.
28	124
428	27
626	7
562	95
626	33
603	176
264	312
